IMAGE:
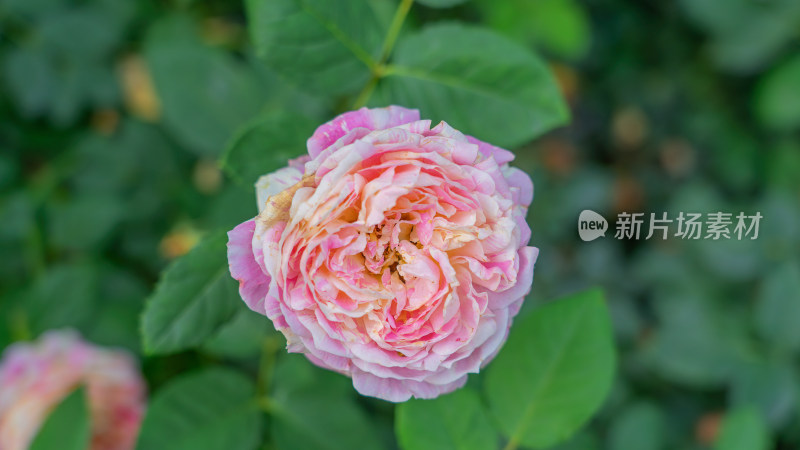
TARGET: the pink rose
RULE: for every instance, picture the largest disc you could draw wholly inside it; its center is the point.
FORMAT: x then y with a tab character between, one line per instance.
36	377
394	253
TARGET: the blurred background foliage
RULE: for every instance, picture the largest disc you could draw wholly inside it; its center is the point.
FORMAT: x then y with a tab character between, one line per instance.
114	114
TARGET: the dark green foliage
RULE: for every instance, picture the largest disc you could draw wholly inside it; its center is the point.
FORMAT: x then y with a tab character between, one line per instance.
67	425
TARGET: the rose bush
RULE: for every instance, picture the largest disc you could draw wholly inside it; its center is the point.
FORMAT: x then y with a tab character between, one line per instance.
35	378
394	253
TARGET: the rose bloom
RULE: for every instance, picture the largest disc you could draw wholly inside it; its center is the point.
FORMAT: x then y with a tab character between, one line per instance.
36	377
394	253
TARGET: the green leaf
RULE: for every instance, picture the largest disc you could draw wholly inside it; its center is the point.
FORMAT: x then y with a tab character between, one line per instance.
743	429
778	307
716	16
17	214
699	341
777	99
242	337
581	440
229	206
751	48
137	154
31	7
477	81
560	27
9	168
288	96
68	425
212	409
85	221
780	235
440	3
769	387
327	47
83	33
194	297
314	409
554	372
455	421
136	166
783	163
66	66
205	94
31	78
745	35
640	426
265	145
116	319
64	297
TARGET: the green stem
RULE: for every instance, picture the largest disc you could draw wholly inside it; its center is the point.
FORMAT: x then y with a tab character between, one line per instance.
44	183
19	326
394	29
378	70
36	252
265	404
366	93
512	444
269	348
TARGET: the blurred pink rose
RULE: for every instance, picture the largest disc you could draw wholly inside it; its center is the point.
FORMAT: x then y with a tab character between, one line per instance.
394	252
36	377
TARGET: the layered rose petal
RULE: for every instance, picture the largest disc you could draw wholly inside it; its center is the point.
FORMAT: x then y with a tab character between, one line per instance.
397	256
253	281
35	378
369	119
